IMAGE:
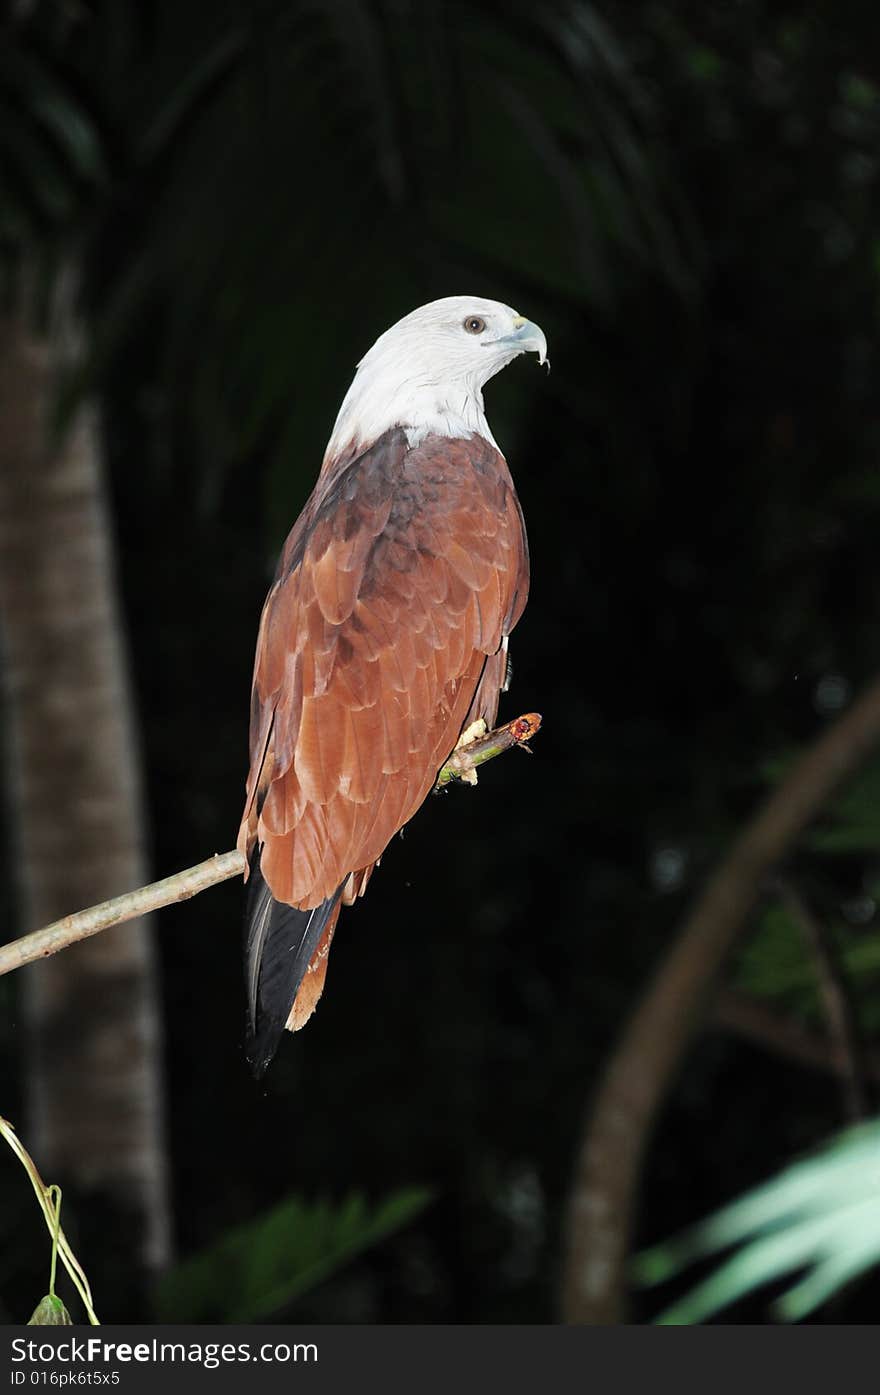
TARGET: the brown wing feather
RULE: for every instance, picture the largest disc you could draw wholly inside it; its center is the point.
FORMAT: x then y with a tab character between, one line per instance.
380	640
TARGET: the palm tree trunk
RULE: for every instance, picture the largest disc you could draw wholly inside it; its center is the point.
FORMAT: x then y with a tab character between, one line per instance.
92	1044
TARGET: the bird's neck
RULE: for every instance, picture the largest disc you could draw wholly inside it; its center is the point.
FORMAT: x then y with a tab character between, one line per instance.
375	404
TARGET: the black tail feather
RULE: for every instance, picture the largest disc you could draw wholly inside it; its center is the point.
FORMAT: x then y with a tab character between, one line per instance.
279	944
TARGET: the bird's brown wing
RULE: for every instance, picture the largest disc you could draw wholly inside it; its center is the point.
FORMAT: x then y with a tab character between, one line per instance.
381	635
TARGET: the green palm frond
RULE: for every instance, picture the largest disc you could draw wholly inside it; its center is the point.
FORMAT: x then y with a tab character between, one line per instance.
816	1224
265	1264
51	150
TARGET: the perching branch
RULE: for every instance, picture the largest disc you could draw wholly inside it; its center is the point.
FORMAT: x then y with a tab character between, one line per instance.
462	764
39	944
643	1065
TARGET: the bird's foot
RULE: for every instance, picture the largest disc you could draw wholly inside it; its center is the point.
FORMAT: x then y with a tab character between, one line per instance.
473	733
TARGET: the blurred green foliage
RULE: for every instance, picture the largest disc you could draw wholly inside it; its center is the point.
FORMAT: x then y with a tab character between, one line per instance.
263	1266
817	1222
776	964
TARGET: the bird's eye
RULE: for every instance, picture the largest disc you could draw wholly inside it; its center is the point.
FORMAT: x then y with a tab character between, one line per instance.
474	325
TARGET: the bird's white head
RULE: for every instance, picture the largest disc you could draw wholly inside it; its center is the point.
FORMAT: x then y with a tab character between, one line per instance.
426	373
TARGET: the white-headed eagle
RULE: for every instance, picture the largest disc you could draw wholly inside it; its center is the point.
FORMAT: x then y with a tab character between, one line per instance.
383	638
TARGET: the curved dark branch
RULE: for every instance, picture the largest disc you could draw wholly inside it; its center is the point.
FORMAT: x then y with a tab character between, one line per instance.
643	1064
39	944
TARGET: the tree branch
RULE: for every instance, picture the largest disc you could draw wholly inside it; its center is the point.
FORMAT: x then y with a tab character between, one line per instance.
839	1013
462	764
81	924
642	1066
755	1021
39	944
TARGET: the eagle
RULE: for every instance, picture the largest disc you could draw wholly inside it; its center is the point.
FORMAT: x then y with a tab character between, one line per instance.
383	642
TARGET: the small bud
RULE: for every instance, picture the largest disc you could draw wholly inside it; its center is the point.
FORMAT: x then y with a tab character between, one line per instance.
50	1312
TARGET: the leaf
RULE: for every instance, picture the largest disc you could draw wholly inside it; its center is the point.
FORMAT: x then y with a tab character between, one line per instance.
818	1219
50	1312
261	1266
49	1201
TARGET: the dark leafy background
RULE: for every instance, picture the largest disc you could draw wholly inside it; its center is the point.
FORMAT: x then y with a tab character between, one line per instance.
685	197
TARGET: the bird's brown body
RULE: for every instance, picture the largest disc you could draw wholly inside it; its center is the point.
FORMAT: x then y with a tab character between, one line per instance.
383	638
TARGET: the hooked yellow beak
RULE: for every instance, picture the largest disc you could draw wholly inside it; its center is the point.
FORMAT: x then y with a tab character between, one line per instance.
526	338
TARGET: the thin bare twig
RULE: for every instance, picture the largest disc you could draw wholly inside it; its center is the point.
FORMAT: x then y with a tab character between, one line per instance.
751	1018
839	1013
39	944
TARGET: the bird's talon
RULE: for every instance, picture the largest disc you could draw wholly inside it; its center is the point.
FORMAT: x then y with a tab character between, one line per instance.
469	736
